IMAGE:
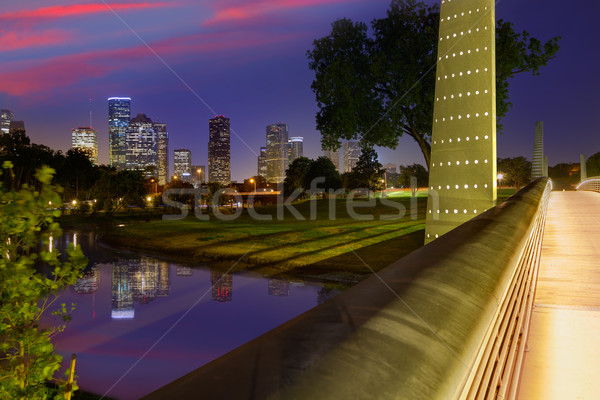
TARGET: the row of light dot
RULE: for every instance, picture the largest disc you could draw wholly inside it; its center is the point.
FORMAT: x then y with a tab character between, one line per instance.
458	163
458	186
460	73
460	116
456	211
458	139
462	33
460	94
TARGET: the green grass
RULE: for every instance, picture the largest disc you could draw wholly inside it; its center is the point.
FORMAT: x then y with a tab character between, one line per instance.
286	245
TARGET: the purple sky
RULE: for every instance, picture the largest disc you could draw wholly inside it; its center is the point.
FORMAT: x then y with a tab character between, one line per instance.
247	60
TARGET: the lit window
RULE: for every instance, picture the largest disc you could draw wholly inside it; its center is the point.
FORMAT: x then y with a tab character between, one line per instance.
475	186
455	211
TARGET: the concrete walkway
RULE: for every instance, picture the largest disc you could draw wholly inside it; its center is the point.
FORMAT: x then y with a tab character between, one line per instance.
563	359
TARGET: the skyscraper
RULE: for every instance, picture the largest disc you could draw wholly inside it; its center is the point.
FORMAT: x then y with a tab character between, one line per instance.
86	140
462	175
351	155
334	156
219	163
141	143
277	152
262	163
5	117
119	113
182	164
163	152
295	148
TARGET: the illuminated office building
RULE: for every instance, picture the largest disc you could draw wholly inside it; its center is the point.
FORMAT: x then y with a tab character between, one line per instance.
182	164
162	137
295	145
277	152
85	139
6	116
262	163
119	114
15	126
142	146
219	163
351	154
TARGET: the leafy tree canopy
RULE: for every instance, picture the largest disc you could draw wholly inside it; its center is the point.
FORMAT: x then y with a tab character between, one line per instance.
515	171
295	176
416	170
378	87
322	167
368	172
593	165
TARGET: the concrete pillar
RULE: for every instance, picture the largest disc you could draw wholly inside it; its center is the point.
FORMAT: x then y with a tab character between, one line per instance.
583	166
537	167
545	173
462	174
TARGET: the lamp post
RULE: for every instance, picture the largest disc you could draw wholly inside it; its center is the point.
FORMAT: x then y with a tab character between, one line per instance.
253	181
155	186
199	172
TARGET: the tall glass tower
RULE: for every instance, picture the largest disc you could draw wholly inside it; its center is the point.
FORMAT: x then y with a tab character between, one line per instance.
119	113
277	152
219	163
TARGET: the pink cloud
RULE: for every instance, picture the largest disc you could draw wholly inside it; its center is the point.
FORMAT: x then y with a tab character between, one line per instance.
22	40
253	9
23	78
53	12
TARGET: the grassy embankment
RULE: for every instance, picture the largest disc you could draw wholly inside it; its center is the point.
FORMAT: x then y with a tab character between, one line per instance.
323	247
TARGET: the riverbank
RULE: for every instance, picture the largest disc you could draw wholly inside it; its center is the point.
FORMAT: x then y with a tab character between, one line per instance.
335	244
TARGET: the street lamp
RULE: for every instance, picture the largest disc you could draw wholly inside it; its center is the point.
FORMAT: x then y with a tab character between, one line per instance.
155	186
500	176
253	181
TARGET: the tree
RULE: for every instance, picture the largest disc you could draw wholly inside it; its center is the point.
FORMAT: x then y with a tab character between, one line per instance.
367	173
322	167
593	165
379	87
26	351
416	170
295	175
117	189
516	171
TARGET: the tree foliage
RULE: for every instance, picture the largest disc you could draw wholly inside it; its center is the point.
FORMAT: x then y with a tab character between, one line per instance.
416	170
593	165
118	189
28	359
515	171
322	167
367	173
295	175
378	87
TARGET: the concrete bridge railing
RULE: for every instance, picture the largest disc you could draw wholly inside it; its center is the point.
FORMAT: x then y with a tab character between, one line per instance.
592	184
448	321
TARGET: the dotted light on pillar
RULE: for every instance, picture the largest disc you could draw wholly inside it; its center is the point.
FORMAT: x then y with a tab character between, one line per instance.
463	151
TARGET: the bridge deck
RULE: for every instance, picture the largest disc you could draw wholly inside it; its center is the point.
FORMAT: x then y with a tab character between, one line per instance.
564	338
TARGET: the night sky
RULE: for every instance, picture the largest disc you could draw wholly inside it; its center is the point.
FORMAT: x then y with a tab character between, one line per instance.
247	60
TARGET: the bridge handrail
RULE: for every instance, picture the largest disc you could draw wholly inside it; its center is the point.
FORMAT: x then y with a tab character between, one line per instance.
592	184
447	321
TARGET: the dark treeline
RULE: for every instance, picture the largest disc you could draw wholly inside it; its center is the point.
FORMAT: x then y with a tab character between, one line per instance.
78	178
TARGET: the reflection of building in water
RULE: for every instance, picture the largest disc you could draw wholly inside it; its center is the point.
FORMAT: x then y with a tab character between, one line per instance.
279	287
89	282
140	280
184	271
122	297
149	279
222	286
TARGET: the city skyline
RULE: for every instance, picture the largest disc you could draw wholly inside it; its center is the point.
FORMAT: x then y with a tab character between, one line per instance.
53	68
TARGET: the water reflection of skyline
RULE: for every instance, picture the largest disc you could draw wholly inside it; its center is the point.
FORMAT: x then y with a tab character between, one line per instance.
126	302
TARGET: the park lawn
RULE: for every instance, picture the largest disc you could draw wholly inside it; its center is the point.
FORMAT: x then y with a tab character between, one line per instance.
284	245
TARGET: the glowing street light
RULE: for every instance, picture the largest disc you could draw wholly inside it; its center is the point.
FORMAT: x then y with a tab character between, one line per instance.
500	176
253	181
